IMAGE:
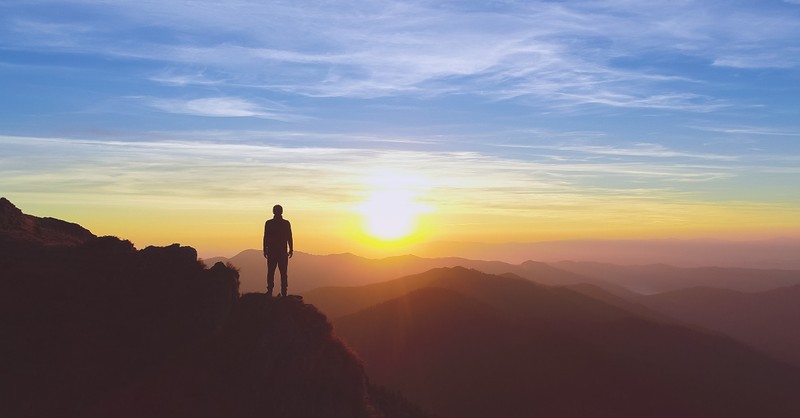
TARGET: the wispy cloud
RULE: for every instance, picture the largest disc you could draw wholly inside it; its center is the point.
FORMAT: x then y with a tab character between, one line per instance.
184	78
553	51
748	130
225	181
50	30
222	107
646	150
784	59
326	176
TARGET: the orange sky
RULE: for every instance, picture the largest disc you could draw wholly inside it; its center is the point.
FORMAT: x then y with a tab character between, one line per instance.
478	121
336	215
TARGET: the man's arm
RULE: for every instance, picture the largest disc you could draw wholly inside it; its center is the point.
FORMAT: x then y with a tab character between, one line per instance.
291	242
265	240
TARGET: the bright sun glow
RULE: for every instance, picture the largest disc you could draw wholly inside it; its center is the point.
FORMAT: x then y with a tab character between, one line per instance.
391	211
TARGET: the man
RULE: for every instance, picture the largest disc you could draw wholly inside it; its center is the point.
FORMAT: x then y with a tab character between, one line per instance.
277	235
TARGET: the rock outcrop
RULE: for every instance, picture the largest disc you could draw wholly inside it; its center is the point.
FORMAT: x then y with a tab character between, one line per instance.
93	327
21	229
274	358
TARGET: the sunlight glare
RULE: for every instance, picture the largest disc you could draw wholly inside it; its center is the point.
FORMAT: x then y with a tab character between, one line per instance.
390	212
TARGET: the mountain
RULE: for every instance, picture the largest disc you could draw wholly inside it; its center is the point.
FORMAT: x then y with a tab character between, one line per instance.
96	328
340	301
625	300
776	253
764	320
307	271
275	358
466	344
93	327
658	278
79	322
19	229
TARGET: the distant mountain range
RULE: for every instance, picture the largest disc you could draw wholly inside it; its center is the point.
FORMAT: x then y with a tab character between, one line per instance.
468	344
775	253
308	271
93	327
659	278
766	320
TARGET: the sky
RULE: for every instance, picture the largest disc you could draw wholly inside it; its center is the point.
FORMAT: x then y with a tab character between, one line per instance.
380	125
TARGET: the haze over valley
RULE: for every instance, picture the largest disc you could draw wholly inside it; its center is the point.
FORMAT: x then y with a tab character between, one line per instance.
410	336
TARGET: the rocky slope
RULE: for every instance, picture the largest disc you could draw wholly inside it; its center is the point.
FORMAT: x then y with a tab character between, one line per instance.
93	327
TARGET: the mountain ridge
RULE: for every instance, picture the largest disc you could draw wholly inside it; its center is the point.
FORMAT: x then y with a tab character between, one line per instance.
764	320
308	271
20	229
522	361
772	253
658	278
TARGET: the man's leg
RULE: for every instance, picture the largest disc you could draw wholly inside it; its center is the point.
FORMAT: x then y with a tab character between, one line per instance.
283	265
272	262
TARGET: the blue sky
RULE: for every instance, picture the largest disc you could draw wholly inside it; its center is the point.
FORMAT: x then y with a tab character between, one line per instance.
596	116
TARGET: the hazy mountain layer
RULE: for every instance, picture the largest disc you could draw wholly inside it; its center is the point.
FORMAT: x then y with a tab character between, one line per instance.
308	272
93	328
466	344
764	320
658	278
777	253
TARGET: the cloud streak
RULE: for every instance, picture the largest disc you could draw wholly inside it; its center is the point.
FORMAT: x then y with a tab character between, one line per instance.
221	107
637	150
561	52
214	180
244	171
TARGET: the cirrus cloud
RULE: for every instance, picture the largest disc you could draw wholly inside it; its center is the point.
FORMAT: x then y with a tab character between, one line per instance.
220	107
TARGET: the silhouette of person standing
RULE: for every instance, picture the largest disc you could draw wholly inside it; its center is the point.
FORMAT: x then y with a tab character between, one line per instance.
277	235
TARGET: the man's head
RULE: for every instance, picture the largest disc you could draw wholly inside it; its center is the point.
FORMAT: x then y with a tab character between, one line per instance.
277	210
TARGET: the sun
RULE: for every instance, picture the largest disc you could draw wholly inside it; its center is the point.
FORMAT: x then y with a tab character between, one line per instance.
391	212
389	215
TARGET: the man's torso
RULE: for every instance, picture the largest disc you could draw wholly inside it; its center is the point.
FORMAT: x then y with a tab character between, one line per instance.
277	232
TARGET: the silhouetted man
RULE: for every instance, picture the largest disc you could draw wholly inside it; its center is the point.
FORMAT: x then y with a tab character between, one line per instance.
277	235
